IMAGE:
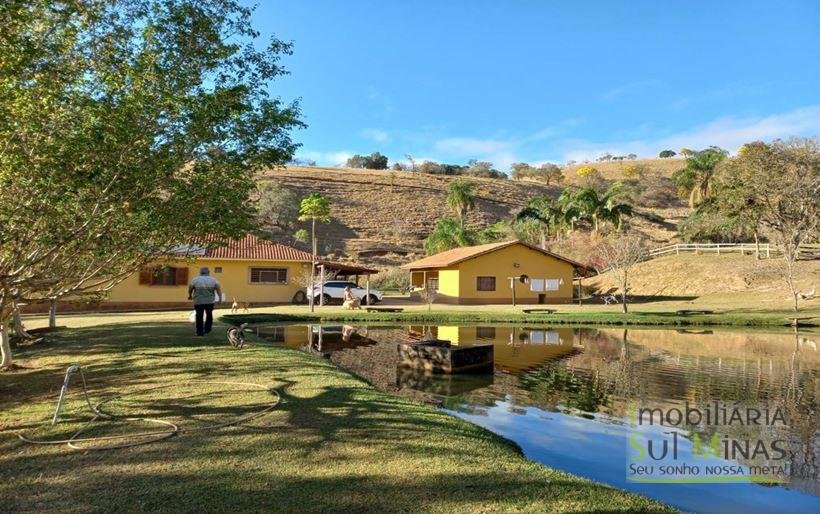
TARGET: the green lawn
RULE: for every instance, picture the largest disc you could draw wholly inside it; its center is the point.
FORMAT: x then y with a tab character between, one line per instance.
334	443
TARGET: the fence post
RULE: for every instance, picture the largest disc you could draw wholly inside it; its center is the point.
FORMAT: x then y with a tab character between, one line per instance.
768	253
718	248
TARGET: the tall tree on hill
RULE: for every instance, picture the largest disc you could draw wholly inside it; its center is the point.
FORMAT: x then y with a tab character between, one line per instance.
780	184
461	198
127	127
374	161
314	207
695	179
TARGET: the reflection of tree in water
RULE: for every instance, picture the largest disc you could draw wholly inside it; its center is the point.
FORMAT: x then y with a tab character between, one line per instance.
556	384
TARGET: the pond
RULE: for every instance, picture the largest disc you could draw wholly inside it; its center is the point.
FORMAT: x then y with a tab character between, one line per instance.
735	413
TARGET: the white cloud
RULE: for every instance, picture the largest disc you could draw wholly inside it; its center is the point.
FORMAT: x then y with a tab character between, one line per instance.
374	134
630	88
325	158
727	132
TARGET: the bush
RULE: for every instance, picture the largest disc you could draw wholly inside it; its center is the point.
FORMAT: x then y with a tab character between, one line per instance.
391	279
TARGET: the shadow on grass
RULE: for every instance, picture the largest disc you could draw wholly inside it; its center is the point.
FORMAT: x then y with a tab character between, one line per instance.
333	444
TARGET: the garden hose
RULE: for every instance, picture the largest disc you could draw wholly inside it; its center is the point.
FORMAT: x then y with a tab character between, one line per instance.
154	435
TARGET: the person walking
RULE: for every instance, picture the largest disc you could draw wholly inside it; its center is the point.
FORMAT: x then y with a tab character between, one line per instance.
204	290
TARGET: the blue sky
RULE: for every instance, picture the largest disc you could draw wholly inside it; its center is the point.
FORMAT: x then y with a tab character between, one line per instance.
539	81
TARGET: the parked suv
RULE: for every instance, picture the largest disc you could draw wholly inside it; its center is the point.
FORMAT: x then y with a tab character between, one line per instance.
334	292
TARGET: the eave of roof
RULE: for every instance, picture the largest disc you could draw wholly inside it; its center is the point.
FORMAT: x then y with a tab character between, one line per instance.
459	255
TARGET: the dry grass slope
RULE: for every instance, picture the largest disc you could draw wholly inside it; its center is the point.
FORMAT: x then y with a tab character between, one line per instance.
383	217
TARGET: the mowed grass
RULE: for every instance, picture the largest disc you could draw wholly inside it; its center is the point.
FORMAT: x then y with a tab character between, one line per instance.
333	444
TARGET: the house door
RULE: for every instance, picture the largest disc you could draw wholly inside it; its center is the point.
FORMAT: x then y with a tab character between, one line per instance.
542	298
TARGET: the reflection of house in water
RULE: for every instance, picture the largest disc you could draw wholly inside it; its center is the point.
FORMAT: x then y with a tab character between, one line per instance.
325	340
319	339
516	348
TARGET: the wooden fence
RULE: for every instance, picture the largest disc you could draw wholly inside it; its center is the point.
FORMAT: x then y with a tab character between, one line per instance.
767	250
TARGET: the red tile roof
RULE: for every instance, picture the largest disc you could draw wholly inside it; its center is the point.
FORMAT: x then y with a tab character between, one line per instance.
251	247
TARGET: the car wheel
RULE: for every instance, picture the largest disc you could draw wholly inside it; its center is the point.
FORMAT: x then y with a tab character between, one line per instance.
327	298
371	300
300	298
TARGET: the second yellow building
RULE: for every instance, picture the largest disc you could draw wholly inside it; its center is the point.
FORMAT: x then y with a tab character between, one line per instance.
492	273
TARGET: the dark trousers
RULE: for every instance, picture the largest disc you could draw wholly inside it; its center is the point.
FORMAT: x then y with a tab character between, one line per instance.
206	310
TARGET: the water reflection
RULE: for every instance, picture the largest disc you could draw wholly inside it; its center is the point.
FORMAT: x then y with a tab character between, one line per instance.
565	394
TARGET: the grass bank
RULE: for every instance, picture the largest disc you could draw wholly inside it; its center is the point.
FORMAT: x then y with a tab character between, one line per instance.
636	318
333	444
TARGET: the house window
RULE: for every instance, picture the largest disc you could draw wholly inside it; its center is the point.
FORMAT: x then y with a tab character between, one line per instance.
163	276
269	275
218	269
485	332
485	283
432	284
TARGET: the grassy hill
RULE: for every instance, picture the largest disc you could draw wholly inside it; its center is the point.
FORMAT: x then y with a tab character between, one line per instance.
382	217
717	277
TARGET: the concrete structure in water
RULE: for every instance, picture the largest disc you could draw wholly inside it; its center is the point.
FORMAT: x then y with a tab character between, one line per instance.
496	273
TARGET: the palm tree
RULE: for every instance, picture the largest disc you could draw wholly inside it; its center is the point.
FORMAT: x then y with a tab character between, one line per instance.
615	206
448	234
609	206
570	209
461	198
547	213
696	177
314	207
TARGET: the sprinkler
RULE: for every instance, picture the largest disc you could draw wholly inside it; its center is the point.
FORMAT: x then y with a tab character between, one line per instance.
168	429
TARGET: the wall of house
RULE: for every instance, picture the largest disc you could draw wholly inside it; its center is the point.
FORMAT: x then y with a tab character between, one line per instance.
502	264
234	279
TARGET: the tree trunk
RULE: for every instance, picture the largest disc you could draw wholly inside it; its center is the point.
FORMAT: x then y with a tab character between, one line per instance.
312	265
19	328
790	254
52	314
5	345
543	239
623	293
757	244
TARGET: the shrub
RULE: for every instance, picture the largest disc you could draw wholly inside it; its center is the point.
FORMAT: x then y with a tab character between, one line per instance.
391	279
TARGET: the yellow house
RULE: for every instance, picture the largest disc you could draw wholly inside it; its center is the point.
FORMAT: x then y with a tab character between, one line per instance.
492	273
251	270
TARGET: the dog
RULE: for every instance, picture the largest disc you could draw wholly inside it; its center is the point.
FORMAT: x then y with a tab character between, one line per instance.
235	306
352	304
236	336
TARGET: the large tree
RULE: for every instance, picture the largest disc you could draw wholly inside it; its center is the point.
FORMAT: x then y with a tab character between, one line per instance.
778	186
127	127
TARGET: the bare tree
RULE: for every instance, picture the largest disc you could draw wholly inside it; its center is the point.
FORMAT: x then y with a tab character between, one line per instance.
428	295
618	255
